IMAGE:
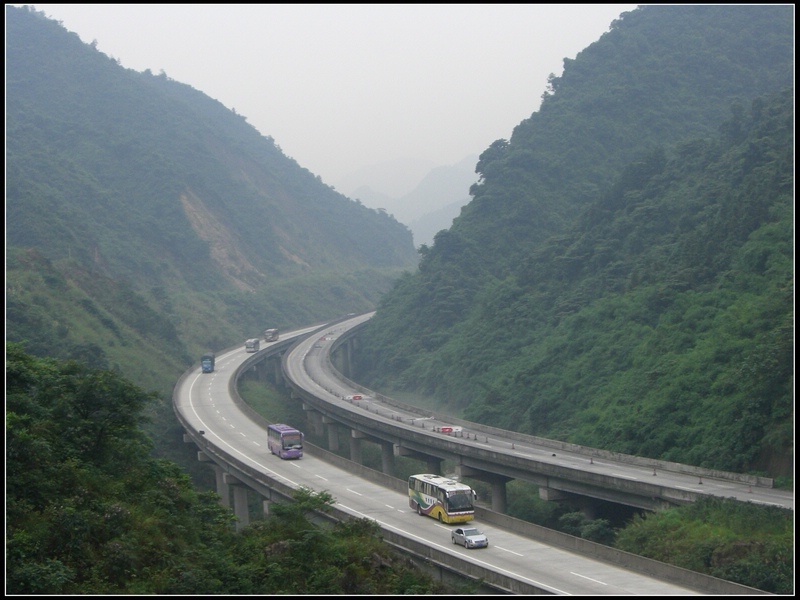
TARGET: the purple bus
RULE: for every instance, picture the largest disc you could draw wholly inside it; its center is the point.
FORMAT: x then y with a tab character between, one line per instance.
285	441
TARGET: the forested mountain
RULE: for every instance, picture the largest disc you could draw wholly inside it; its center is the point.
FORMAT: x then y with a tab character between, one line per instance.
622	278
89	511
146	222
623	275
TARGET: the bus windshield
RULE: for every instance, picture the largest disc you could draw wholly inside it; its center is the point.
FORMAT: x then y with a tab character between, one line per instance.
292	440
459	501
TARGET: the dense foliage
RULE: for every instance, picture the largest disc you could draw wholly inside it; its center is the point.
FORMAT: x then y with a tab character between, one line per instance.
147	223
150	222
88	511
740	542
95	150
623	277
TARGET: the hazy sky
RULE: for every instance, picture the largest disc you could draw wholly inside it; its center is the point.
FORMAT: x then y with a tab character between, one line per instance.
344	86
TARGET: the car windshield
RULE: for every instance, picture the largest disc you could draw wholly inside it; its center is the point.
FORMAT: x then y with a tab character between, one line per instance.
469	532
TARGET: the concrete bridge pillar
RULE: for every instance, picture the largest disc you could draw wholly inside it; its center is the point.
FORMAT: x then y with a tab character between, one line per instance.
240	507
347	358
314	418
222	487
262	371
434	465
387	458
223	490
499	496
342	358
551	495
333	433
498	483
355	446
270	370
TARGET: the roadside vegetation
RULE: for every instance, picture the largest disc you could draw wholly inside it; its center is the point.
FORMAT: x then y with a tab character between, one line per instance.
622	278
89	511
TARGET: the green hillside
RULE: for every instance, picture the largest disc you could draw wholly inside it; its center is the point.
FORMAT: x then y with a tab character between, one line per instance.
623	276
146	222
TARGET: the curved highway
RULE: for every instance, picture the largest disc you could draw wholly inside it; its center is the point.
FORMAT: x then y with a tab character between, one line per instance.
204	403
308	366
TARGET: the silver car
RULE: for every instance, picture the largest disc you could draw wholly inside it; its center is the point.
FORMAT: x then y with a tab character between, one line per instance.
469	537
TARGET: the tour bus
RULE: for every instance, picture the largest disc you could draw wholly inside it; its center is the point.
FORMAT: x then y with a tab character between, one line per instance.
441	498
252	345
207	362
285	441
271	335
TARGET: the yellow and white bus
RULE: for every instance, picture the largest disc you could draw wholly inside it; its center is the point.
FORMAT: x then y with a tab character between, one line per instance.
441	498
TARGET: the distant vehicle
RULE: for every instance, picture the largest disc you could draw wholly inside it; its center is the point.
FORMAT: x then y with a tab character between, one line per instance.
469	537
207	362
271	335
441	498
449	429
252	345
285	441
354	397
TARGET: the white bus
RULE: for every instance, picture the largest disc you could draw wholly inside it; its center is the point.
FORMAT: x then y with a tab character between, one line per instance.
441	498
252	345
271	335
